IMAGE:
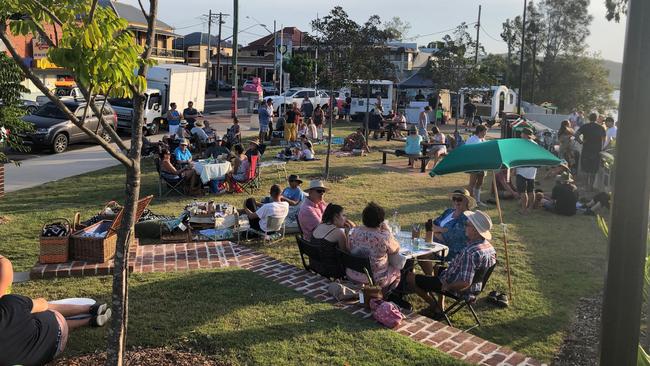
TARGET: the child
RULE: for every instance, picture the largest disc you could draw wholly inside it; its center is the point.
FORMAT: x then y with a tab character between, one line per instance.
312	132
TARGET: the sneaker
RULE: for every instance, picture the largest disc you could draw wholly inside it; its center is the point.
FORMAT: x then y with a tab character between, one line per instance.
101	320
98	309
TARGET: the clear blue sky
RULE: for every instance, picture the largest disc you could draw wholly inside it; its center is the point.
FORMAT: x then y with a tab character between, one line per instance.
425	17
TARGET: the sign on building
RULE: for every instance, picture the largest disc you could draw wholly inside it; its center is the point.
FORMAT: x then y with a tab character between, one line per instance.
39	48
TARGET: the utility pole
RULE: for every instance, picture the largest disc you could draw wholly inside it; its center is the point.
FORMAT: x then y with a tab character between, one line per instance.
275	55
235	29
218	71
521	60
478	34
208	64
532	71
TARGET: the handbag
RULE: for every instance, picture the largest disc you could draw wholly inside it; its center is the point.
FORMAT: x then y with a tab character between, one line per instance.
386	313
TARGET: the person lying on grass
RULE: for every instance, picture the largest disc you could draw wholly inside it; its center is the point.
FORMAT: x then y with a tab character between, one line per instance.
34	332
477	256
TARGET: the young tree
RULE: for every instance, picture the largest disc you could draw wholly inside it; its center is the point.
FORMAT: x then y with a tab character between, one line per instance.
397	28
11	123
96	47
301	68
616	8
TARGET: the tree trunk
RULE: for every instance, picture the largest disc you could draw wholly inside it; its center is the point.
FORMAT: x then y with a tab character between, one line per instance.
329	140
365	122
118	332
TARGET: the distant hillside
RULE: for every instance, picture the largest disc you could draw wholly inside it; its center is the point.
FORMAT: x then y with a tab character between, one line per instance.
615	69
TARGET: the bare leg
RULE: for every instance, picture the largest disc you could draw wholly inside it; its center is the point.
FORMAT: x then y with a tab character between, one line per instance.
77	323
524	202
70	310
472	184
423	294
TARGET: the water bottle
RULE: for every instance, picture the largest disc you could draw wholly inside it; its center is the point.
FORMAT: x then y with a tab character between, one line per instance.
395	227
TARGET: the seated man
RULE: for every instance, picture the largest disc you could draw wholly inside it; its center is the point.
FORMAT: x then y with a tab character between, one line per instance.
477	256
563	197
33	332
199	132
182	154
293	194
505	187
217	148
312	208
258	217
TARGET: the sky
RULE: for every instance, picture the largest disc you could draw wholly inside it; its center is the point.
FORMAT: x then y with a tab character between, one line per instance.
425	16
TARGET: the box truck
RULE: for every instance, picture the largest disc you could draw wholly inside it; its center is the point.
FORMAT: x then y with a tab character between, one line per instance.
169	83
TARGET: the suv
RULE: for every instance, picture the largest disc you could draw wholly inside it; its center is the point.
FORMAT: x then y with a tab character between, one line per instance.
298	95
269	88
52	129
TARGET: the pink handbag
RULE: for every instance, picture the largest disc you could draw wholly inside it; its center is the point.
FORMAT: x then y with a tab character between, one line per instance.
386	313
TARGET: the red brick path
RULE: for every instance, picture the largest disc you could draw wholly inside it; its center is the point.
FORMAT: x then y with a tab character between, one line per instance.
203	255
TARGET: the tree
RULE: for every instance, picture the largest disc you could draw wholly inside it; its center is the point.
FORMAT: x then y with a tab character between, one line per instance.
301	68
11	123
397	28
615	8
96	47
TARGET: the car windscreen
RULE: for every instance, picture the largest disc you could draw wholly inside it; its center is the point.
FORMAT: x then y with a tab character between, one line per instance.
49	110
121	102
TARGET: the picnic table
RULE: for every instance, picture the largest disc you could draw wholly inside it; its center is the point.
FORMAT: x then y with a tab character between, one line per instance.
411	251
212	170
280	166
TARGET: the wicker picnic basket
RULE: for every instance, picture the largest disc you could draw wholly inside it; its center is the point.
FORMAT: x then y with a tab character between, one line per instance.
54	249
101	248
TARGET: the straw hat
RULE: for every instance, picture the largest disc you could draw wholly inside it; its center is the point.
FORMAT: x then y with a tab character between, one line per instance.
471	202
183	123
565	177
316	184
255	142
185	142
481	221
199	124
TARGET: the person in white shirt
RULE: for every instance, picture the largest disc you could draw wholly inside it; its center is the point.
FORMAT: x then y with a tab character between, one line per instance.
199	132
423	123
526	178
612	130
476	178
276	208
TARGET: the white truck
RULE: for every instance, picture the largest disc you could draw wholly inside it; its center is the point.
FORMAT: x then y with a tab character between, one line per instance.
168	83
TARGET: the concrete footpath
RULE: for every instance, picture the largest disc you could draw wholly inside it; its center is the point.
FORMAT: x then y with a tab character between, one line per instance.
36	171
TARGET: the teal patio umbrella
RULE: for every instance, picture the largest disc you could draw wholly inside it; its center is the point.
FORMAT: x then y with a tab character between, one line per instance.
494	155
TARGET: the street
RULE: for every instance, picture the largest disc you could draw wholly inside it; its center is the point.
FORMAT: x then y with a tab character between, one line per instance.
214	104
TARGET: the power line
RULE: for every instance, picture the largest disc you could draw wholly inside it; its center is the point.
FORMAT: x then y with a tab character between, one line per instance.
190	26
434	33
489	36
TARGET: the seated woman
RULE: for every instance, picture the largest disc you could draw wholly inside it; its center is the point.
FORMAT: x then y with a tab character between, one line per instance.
329	235
449	228
306	152
375	241
355	141
240	164
169	172
437	151
412	147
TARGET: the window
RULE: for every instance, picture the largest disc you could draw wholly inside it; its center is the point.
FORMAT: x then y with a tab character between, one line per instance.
154	99
301	94
311	94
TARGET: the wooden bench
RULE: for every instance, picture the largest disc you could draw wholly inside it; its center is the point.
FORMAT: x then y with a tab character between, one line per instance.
422	158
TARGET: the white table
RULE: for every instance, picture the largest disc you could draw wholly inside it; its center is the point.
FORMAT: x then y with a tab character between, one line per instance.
213	171
277	164
407	248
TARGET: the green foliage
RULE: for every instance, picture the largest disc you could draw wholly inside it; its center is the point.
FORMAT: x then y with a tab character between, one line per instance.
398	28
616	8
301	67
10	111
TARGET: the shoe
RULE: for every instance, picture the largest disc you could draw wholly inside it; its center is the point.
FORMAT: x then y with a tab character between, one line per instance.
502	300
101	320
433	312
98	309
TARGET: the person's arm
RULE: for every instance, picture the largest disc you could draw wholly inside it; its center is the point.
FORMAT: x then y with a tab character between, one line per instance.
6	275
39	305
342	238
288	200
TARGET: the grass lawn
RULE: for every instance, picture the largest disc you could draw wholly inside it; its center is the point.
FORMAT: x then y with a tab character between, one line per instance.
555	260
242	319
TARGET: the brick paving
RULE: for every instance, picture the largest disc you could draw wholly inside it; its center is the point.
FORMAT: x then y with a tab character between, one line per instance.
205	255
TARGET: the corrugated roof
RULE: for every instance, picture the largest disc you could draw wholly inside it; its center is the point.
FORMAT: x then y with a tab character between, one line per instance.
132	14
196	38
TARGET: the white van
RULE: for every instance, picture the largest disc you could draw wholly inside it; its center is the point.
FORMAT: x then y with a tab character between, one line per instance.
379	89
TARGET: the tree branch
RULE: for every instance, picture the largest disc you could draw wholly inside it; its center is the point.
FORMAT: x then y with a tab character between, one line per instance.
39	84
91	14
43	34
146	16
49	12
87	93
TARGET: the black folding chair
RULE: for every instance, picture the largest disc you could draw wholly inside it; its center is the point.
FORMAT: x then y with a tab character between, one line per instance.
175	185
318	261
467	299
355	262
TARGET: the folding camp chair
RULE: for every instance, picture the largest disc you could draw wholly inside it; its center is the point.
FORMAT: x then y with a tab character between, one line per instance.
171	185
274	225
252	182
466	299
355	262
318	263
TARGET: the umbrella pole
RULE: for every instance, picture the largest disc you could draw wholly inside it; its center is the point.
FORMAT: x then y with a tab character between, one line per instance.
505	236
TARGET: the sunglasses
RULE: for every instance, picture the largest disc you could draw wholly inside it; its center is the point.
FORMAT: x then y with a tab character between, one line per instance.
457	199
321	191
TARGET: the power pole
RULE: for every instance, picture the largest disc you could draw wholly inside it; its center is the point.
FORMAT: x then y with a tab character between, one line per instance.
235	29
532	71
478	34
521	59
218	71
207	64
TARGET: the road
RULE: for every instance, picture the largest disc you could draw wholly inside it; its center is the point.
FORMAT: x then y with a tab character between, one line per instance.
213	104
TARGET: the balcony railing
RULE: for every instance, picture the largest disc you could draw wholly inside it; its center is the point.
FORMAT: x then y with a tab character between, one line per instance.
166	52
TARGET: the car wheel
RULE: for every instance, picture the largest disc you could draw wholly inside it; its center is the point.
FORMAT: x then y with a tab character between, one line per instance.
60	143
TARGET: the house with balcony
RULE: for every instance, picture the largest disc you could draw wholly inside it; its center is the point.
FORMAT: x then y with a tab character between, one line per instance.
163	50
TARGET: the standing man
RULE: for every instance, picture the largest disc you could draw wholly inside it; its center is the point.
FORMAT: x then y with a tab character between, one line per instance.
476	178
311	210
573	118
612	130
592	136
307	109
265	113
173	119
190	114
423	123
526	178
347	106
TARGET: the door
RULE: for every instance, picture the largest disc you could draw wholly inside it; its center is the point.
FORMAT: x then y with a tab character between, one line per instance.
76	134
153	108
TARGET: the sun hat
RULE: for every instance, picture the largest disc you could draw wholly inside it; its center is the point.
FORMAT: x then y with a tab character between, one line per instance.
185	142
316	184
565	177
199	124
294	178
183	123
471	202
481	221
255	142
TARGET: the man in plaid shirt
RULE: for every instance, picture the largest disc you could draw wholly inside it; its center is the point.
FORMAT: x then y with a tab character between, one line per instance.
478	255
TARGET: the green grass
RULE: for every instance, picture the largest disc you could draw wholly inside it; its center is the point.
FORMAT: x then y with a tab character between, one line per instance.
242	319
555	260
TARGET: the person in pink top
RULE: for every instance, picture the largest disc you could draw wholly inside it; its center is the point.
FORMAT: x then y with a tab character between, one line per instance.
311	210
375	241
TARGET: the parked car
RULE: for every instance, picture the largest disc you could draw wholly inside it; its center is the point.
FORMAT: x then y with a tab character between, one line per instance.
223	86
269	88
52	129
298	95
28	105
61	91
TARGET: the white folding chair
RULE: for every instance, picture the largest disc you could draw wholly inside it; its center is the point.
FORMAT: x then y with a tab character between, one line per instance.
274	224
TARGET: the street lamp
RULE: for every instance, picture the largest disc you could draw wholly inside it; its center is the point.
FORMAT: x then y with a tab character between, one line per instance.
274	33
